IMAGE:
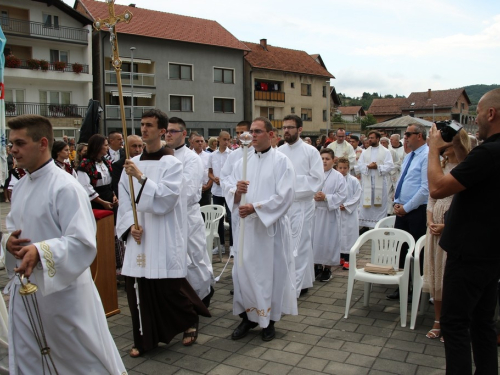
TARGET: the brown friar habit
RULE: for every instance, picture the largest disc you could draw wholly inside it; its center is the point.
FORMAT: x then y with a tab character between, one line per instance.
168	306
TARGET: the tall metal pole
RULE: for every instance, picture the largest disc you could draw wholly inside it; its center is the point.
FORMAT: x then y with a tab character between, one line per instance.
327	92
132	49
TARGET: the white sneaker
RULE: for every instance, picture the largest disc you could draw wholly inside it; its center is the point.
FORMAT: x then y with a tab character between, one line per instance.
231	252
223	249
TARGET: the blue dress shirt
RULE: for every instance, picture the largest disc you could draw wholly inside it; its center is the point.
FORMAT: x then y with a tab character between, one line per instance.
415	188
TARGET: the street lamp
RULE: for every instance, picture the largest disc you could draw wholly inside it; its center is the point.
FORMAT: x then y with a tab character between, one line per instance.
132	49
433	107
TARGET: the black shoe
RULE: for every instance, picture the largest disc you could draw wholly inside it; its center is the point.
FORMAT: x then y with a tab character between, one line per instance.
318	270
242	330
394	295
303	291
231	292
268	333
326	275
206	300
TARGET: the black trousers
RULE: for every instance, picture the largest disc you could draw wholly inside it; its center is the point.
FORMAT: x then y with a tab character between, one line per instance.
467	315
206	198
221	201
415	223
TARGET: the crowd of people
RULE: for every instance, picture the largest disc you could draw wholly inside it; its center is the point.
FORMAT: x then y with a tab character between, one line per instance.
293	193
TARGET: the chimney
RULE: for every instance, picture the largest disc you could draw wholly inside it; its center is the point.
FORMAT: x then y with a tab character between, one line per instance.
429	94
263	43
132	5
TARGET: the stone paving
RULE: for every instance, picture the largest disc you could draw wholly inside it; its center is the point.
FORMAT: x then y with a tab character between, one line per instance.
318	340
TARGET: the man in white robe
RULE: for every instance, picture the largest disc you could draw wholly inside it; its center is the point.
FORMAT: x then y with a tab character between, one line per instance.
309	179
343	149
162	303
375	163
199	267
264	271
393	176
52	241
354	141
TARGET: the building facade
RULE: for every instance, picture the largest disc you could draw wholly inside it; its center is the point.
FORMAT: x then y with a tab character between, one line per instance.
192	69
48	62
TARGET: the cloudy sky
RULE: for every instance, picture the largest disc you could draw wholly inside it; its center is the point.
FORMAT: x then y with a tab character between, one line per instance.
389	47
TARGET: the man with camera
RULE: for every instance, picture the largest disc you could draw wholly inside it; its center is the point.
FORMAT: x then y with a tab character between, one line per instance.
470	240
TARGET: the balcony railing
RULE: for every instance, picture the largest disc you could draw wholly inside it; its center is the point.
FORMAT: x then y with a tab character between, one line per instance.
140	79
113	111
44	109
23	27
272	96
54	66
278	124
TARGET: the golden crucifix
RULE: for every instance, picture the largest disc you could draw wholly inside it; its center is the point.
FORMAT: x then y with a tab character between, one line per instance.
110	23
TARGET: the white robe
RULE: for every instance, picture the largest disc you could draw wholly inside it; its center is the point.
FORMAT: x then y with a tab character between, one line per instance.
199	267
369	216
53	210
160	210
227	181
344	150
326	227
309	179
349	220
392	179
264	286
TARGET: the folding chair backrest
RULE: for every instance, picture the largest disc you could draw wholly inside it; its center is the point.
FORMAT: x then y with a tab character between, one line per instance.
212	213
386	222
386	245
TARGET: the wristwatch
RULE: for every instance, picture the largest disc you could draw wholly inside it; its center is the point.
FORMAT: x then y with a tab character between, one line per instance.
143	179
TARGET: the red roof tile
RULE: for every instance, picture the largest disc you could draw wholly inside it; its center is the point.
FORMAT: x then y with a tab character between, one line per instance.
284	59
381	107
352	110
155	24
442	98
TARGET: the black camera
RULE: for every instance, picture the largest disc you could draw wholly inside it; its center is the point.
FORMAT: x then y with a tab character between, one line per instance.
448	129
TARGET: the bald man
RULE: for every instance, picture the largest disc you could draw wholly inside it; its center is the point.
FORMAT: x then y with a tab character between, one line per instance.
470	239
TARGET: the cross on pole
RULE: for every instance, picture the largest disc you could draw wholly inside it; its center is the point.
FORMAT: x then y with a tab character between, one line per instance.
110	24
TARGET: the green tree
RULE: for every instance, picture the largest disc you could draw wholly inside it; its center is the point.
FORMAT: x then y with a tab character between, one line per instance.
368	120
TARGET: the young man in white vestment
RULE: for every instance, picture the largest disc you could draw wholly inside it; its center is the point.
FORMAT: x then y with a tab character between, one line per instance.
349	219
162	302
264	277
393	176
326	224
52	241
310	176
342	148
199	267
375	163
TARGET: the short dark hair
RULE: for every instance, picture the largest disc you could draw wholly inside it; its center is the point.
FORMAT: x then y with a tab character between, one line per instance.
95	144
244	123
419	128
37	127
355	137
377	134
57	147
113	133
160	116
178	121
267	123
343	160
328	151
297	119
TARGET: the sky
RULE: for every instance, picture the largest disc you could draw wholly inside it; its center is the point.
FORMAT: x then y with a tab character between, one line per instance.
388	47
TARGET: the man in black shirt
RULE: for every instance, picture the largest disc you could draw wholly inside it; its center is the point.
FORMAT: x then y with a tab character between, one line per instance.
470	240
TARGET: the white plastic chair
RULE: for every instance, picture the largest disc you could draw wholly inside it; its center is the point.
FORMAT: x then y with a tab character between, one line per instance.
386	222
213	213
418	282
386	249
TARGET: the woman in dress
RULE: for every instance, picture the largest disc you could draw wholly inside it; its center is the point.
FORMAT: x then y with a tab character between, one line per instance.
60	152
435	257
94	173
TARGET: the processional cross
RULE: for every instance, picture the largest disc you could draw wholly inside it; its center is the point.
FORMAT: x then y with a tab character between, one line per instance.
110	23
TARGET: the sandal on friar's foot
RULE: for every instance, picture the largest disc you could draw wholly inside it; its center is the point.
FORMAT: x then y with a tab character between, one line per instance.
191	334
134	352
434	333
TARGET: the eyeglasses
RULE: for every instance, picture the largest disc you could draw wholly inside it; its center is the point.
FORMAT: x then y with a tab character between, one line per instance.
289	127
256	131
172	131
409	134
